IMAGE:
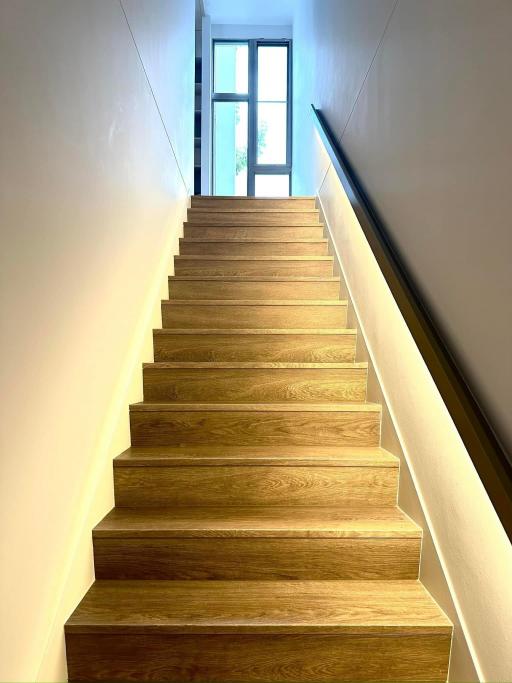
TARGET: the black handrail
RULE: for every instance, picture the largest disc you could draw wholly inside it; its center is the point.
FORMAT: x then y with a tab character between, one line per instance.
491	460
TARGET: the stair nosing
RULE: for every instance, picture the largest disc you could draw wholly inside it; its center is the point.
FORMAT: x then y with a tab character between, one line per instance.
220	257
244	456
253	365
226	331
281	607
306	407
253	210
256	302
255	278
211	524
253	240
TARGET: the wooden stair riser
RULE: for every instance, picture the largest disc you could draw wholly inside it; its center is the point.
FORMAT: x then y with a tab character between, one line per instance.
252	203
247	248
252	428
254	289
226	385
253	217
262	658
258	485
252	315
256	558
275	232
284	348
186	265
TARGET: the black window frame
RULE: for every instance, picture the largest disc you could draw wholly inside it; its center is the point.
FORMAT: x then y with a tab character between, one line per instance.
251	97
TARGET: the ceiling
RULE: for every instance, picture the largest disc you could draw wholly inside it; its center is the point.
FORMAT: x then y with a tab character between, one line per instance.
260	12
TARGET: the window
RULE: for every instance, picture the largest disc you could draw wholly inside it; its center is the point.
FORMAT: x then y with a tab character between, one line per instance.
251	111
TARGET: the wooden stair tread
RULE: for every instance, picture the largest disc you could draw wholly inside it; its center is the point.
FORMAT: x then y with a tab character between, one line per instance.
263	522
254	210
208	198
161	406
278	607
213	454
253	330
219	257
255	302
248	365
255	278
257	240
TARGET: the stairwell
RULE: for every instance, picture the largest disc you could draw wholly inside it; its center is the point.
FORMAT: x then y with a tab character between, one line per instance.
256	535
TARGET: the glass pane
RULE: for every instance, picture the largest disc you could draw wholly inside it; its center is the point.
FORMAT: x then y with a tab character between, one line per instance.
271	133
230	148
272	185
272	73
231	67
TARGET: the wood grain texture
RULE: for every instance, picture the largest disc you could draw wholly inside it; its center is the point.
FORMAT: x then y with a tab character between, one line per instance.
256	484
246	288
228	382
261	313
264	424
247	265
194	231
259	558
246	203
256	536
362	607
255	247
260	217
214	455
250	345
258	522
248	659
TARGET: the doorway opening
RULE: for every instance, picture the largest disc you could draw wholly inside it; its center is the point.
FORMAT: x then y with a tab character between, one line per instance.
251	116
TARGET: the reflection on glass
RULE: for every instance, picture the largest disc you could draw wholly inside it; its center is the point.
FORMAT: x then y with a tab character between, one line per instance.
272	73
271	133
231	68
230	148
272	185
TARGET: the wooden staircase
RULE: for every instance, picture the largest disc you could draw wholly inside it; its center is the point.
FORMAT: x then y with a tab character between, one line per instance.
256	535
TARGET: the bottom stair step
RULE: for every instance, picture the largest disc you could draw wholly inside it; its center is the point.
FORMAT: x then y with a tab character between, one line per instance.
257	631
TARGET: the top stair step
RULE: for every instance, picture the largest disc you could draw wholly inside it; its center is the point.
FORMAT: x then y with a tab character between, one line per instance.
252	202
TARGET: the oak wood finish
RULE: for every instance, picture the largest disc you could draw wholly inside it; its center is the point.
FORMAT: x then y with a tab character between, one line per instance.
245	203
230	382
245	659
284	232
256	543
333	424
255	247
254	265
258	522
254	217
253	313
259	607
256	536
245	345
255	484
253	288
227	454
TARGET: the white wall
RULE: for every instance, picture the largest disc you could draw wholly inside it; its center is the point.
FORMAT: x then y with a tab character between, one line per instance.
407	88
418	94
94	180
